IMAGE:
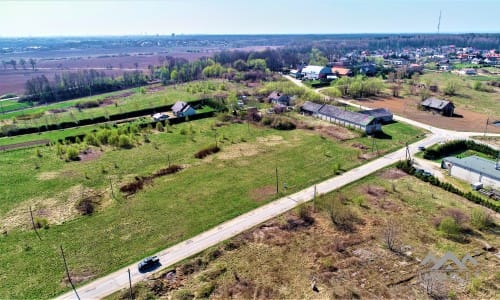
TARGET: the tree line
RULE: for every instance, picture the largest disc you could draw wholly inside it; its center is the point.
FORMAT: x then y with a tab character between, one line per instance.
70	85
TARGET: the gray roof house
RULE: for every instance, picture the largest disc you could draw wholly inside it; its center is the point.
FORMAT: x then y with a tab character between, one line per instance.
443	107
333	114
182	109
473	169
279	98
383	115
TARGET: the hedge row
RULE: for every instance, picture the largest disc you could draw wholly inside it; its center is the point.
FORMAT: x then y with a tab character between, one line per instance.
458	146
407	167
13	130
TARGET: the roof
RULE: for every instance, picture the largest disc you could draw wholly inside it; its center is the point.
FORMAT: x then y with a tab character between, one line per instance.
377	113
344	115
311	106
278	96
341	71
178	106
476	164
313	69
186	108
435	103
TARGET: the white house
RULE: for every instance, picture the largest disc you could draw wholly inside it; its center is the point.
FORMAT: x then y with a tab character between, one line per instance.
316	72
473	169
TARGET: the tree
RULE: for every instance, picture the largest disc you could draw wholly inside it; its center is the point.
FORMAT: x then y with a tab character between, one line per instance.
257	64
240	65
391	235
32	63
317	58
22	62
136	65
451	88
13	62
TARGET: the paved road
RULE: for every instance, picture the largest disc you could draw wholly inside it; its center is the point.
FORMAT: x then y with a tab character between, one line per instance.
119	279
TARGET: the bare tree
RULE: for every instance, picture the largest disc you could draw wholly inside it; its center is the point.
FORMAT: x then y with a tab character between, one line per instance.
32	63
391	235
13	62
22	62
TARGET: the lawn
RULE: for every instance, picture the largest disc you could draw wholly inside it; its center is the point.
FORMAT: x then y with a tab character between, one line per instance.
9	105
173	208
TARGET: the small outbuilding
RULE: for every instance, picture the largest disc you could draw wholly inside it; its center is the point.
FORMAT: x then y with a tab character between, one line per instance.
279	98
443	107
182	109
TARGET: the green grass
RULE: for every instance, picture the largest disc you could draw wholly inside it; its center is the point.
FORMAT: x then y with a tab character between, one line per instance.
172	209
9	105
467	98
133	102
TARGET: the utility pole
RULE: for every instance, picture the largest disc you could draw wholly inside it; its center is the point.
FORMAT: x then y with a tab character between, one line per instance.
314	198
277	185
34	227
168	157
111	187
67	273
130	285
408	154
486	127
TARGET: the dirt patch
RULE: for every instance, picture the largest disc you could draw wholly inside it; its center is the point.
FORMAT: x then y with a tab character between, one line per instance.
336	132
76	278
262	193
392	174
239	150
90	154
119	96
57	110
271	140
407	107
47	175
154	89
25	145
56	210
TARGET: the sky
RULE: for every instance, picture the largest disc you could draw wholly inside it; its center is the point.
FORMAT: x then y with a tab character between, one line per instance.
132	17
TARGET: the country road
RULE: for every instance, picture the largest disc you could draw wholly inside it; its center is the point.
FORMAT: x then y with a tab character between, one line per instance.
119	279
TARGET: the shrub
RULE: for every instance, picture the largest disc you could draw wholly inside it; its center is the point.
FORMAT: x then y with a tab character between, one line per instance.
205	290
72	153
41	223
170	170
86	206
480	218
449	226
159	127
124	141
342	216
91	139
459	216
132	187
206	152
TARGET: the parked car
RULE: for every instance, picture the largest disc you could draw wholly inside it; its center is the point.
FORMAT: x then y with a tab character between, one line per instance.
421	148
148	263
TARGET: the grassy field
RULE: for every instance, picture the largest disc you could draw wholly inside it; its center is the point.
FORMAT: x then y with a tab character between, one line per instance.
467	98
9	105
171	209
282	258
121	101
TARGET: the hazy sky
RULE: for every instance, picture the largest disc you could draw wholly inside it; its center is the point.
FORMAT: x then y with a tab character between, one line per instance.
109	17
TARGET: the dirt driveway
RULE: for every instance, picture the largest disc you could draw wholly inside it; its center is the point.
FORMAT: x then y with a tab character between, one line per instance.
468	121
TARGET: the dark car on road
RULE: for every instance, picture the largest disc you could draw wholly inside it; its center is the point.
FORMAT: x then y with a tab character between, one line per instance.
148	263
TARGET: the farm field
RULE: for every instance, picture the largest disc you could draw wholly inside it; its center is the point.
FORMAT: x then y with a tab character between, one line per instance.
304	249
170	209
9	105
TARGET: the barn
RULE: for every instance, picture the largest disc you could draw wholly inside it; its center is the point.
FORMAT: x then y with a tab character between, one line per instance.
382	115
333	114
316	72
473	169
444	107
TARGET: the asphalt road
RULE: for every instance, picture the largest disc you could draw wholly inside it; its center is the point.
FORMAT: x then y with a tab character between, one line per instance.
119	280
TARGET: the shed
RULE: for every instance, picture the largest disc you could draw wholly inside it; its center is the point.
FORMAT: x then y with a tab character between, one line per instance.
443	107
182	109
333	114
279	98
310	108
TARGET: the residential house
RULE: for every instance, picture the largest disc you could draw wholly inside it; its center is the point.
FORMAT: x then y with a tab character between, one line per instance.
368	69
381	115
279	98
442	107
340	72
473	169
333	114
444	68
316	72
182	109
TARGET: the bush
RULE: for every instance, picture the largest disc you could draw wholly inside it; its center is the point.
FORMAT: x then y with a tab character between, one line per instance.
205	290
41	223
342	216
170	170
449	226
72	154
132	187
86	206
91	139
124	141
279	122
481	219
159	127
206	152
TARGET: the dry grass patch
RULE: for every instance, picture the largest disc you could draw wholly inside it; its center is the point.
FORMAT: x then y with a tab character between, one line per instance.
262	193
